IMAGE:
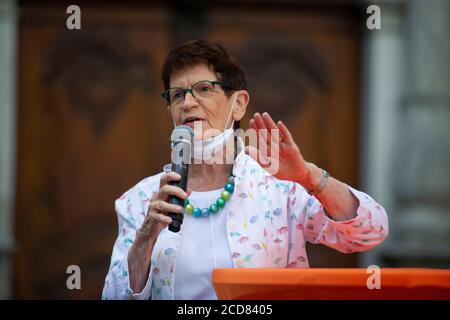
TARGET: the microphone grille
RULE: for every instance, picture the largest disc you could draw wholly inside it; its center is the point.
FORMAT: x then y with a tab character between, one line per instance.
182	132
182	137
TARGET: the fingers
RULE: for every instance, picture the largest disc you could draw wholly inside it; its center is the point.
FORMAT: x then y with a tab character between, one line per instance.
285	133
269	133
161	206
261	132
259	121
154	218
274	130
252	124
158	211
169	190
167	177
268	121
265	121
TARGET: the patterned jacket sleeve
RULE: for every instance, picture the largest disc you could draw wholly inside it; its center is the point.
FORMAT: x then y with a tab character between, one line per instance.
368	229
130	217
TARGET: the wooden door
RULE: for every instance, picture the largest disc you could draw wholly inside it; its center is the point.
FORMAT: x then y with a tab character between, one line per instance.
91	123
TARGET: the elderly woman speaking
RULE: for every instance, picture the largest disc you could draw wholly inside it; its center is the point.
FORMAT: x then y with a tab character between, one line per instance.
238	214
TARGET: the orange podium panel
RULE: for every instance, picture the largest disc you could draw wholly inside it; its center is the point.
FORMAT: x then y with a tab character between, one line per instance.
313	284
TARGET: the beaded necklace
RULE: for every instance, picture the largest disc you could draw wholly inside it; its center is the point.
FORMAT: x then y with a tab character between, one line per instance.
215	207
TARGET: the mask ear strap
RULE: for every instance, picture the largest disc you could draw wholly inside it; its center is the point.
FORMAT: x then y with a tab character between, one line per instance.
231	112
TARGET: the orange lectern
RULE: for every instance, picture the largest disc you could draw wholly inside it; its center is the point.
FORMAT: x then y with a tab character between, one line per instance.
313	284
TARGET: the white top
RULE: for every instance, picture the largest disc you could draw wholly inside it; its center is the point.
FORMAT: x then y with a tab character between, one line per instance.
204	246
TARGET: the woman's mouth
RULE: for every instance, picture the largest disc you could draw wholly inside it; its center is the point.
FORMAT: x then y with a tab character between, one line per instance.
192	121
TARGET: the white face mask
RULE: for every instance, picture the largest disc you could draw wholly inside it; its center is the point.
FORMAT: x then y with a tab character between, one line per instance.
206	149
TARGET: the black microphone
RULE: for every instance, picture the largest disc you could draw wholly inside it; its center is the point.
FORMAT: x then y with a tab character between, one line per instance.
182	138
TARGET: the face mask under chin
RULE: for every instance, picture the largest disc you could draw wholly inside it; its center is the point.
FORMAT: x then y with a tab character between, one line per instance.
207	148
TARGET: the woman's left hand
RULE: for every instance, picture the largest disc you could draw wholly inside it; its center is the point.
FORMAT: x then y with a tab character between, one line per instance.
283	160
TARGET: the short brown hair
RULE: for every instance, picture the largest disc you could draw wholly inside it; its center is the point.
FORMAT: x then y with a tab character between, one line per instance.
214	55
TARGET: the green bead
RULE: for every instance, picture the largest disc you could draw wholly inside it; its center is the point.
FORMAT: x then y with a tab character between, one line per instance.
225	195
213	208
220	203
189	208
186	202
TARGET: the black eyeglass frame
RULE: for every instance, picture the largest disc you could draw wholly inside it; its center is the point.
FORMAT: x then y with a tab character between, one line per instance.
165	93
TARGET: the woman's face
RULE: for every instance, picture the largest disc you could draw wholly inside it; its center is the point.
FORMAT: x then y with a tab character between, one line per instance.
211	113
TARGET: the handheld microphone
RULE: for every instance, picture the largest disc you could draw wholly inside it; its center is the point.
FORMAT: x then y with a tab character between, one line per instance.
182	138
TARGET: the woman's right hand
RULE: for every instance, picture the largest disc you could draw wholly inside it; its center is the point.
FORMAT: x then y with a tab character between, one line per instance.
157	218
158	210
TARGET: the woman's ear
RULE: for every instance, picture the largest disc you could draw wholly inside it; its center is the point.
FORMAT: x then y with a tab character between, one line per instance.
240	106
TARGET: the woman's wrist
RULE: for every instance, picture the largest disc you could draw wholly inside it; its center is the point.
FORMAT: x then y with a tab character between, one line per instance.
313	177
139	257
145	236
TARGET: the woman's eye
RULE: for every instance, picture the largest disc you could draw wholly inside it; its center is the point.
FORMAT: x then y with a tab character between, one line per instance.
177	95
205	88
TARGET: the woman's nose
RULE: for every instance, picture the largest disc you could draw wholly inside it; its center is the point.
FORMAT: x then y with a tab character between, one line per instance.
189	101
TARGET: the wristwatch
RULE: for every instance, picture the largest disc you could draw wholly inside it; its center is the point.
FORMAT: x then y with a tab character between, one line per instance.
322	184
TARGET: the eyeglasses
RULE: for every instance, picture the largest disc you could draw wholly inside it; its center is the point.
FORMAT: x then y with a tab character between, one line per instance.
203	89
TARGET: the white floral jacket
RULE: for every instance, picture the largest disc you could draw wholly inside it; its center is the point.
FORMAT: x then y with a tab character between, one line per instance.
268	223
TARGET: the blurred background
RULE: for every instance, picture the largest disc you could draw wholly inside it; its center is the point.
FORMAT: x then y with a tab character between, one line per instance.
81	119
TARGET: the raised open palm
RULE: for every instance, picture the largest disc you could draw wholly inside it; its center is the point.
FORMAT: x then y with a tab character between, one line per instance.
277	151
